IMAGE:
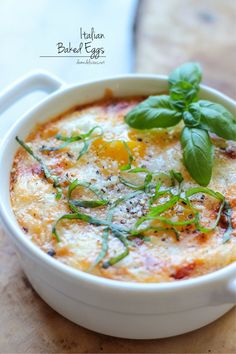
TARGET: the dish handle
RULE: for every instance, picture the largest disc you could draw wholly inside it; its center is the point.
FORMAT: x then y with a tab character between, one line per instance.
34	81
231	290
224	294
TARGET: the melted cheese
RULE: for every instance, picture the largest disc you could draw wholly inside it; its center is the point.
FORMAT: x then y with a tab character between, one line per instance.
160	259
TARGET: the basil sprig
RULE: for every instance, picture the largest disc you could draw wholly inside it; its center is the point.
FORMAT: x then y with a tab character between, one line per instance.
200	118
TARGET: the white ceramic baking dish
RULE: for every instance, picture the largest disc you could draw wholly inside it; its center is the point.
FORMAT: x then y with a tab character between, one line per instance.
111	307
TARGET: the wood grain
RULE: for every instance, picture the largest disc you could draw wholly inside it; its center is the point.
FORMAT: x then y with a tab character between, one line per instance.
169	32
28	325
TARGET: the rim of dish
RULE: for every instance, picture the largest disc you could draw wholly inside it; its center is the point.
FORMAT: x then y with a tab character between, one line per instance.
19	237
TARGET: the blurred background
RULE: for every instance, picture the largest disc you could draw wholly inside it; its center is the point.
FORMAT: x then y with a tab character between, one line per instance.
149	36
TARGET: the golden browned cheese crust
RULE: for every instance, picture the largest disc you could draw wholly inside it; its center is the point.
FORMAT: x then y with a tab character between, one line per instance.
161	257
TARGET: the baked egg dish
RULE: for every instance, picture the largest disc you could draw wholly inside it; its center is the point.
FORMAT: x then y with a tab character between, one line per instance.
103	197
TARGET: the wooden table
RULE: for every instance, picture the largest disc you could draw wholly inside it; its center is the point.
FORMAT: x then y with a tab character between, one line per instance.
169	32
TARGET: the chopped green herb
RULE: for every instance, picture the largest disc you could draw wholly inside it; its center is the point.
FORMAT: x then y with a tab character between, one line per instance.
192	191
138	232
147	179
228	213
72	139
158	210
84	149
119	257
48	175
84	203
176	176
89	219
85	138
110	214
130	158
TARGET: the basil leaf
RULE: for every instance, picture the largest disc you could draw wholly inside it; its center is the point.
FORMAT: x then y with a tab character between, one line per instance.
191	120
154	112
188	72
215	118
183	93
184	83
198	153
